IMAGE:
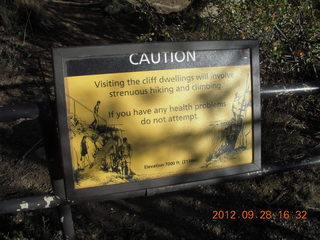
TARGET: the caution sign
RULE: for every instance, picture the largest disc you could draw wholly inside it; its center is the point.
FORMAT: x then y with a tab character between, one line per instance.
152	118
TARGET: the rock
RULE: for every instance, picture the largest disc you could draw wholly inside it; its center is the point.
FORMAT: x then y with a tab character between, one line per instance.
210	10
115	7
169	6
161	6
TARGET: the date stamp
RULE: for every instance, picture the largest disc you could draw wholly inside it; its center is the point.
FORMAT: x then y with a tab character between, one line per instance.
258	214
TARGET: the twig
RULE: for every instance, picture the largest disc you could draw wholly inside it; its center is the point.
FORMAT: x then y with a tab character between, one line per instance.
25	28
283	193
285	37
299	22
279	30
315	70
30	150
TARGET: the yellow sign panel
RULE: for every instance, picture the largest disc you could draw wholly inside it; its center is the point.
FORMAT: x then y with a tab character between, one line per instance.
133	126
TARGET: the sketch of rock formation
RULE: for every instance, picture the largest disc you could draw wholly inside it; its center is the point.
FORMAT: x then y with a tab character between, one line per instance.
100	151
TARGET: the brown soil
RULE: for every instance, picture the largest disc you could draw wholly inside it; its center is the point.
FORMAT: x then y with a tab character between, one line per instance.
290	131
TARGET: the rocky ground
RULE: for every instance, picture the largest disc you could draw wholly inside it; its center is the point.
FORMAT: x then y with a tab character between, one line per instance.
289	54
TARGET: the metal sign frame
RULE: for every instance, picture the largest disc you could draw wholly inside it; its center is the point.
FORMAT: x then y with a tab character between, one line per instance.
62	55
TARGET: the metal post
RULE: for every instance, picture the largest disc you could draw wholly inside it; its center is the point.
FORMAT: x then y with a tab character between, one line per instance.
64	211
27	111
31	110
47	118
290	89
29	203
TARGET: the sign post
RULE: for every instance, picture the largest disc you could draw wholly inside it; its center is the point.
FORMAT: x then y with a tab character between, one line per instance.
138	116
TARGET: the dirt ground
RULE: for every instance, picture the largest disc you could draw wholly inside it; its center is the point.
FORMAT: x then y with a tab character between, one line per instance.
290	130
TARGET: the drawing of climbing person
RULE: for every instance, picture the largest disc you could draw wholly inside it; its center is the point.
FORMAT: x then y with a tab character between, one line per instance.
95	122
